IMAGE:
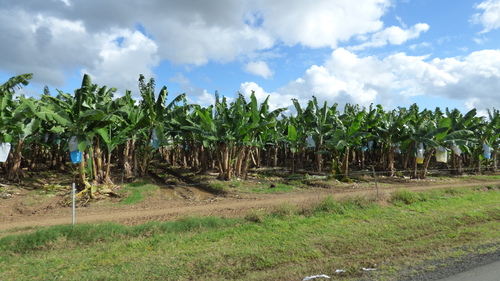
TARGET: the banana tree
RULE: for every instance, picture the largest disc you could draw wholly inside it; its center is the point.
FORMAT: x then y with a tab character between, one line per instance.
14	124
23	125
389	131
265	126
232	130
486	135
35	119
460	135
213	125
321	122
293	139
303	123
8	104
348	132
155	117
83	116
429	129
262	120
116	134
494	140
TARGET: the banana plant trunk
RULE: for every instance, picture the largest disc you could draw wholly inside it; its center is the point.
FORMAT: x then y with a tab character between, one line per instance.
240	157
145	159
203	159
80	184
224	162
479	168
97	160
319	158
427	160
246	162
456	163
276	155
390	160
494	165
127	168
14	173
345	164
107	175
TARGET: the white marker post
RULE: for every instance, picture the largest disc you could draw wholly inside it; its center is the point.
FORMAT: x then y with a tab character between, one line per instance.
375	177
73	204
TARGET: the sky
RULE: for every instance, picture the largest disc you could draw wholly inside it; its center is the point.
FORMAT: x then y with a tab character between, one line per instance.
436	53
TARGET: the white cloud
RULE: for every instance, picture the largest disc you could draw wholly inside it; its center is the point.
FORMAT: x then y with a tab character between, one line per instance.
115	40
196	32
423	45
393	35
196	95
52	47
394	79
197	43
44	45
66	2
276	100
205	99
321	23
123	56
490	16
259	68
344	78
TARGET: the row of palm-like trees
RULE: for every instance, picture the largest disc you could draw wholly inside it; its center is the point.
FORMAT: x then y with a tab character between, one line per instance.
127	135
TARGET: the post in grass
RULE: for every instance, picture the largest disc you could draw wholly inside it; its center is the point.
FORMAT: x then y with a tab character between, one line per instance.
73	204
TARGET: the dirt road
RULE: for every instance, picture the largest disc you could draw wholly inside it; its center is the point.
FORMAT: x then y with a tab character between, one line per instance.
20	211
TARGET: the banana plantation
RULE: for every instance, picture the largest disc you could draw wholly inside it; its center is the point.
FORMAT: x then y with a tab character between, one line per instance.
117	136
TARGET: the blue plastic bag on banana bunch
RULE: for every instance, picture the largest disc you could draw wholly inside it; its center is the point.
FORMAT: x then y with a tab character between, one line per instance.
310	142
398	149
155	142
371	145
487	151
74	153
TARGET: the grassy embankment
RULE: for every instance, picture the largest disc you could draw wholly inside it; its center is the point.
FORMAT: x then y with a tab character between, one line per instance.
287	244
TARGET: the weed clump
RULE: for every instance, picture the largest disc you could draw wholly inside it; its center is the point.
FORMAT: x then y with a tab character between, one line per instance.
327	205
255	216
406	197
331	206
285	210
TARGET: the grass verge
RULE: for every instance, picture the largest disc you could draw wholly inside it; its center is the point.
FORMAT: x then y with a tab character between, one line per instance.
287	244
136	192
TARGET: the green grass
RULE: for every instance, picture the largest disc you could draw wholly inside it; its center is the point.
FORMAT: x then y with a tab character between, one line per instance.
288	243
486	177
86	234
408	197
136	192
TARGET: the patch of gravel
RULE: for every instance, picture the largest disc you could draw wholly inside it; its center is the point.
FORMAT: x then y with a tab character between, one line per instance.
439	269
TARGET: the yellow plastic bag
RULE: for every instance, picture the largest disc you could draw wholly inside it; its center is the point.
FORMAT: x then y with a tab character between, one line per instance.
420	156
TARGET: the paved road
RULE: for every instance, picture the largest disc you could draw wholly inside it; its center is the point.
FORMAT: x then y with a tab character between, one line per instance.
489	272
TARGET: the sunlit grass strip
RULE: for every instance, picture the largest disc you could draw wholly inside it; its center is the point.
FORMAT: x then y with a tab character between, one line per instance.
287	244
88	234
137	191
